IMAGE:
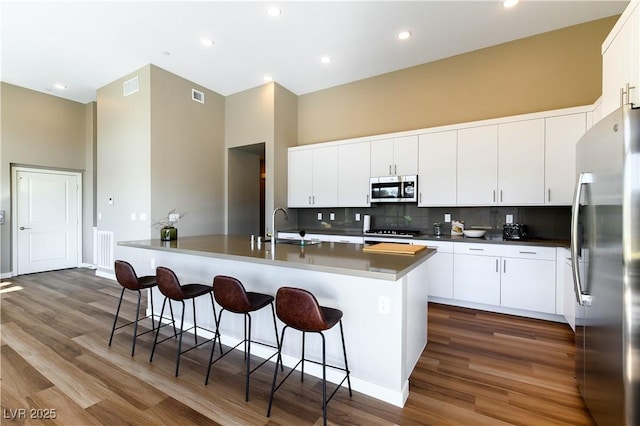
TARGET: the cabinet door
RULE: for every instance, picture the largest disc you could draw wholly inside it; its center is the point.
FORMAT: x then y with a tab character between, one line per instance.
477	166
405	156
521	162
440	275
529	284
476	279
325	177
437	169
382	158
354	161
300	178
620	63
561	134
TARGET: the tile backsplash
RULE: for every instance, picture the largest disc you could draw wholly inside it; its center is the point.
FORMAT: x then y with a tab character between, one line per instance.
542	222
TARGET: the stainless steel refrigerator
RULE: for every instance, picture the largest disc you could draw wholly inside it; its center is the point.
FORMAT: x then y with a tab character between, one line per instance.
605	235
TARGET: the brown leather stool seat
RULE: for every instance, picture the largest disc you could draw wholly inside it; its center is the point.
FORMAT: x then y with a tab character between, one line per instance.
127	278
170	287
232	296
299	309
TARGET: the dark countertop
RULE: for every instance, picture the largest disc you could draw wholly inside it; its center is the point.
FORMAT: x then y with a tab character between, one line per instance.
340	258
488	238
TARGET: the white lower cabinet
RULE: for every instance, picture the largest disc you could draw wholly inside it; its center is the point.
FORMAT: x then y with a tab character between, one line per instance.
519	277
440	268
476	278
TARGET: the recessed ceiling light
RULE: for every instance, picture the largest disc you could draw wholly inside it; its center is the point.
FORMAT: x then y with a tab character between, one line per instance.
273	11
325	59
268	78
60	86
404	35
509	3
206	42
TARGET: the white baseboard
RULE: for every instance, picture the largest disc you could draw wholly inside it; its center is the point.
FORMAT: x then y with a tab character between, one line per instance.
6	275
110	276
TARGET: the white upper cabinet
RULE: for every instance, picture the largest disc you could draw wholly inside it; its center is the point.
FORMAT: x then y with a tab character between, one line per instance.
396	156
313	177
621	62
521	162
437	168
353	174
561	134
477	165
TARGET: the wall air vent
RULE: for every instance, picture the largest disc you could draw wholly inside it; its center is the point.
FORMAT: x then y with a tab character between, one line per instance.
131	86
197	96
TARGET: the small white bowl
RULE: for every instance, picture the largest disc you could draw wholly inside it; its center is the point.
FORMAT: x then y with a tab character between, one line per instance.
474	233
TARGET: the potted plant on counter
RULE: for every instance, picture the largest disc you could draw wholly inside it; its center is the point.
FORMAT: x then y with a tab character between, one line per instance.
168	231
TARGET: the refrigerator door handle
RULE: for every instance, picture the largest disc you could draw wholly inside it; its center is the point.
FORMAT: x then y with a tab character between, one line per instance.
581	298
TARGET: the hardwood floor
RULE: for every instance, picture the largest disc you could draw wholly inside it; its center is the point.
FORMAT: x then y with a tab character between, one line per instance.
478	369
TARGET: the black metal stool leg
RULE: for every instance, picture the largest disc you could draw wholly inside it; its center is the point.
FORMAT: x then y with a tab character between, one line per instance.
115	320
135	324
180	338
346	366
217	321
275	373
324	381
302	361
155	340
195	325
275	328
152	311
213	347
247	355
173	320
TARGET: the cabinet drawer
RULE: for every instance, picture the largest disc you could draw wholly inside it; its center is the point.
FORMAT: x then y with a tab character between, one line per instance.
479	249
529	252
442	246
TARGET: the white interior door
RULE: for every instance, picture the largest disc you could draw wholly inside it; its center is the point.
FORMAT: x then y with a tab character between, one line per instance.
47	220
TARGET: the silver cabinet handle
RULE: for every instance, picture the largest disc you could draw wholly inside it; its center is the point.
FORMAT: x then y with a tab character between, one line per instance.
395	169
528	252
494	195
22	228
496	265
421	197
389	169
501	195
504	266
309	199
476	249
549	194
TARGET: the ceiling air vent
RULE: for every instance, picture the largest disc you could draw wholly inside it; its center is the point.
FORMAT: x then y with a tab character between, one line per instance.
197	96
131	86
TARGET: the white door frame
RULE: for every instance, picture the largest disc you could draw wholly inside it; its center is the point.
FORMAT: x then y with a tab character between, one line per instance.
14	210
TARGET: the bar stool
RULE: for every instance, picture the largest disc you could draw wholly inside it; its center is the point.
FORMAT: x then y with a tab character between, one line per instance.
299	309
232	296
127	278
172	290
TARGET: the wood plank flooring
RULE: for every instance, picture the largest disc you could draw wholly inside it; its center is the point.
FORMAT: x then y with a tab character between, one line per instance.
478	369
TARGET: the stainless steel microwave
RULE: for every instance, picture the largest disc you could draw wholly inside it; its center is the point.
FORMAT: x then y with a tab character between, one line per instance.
393	189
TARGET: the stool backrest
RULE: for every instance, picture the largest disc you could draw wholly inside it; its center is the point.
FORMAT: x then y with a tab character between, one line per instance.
230	294
168	283
126	275
299	309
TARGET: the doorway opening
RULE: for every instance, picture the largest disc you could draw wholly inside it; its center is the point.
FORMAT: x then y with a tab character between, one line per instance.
246	185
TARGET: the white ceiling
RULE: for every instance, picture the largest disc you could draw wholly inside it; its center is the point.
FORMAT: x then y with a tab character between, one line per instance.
85	45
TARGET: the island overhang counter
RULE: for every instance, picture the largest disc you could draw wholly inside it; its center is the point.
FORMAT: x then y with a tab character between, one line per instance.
383	298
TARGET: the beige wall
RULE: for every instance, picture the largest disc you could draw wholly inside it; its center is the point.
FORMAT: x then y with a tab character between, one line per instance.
37	130
558	69
187	154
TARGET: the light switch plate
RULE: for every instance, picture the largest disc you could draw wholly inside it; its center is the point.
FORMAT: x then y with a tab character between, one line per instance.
357	217
332	216
319	216
509	218
447	217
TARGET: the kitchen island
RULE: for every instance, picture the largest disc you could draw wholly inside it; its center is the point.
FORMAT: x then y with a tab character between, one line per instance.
383	298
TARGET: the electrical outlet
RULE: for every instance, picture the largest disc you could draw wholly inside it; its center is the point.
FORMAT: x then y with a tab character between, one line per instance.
357	217
447	217
383	305
509	218
332	216
110	200
319	216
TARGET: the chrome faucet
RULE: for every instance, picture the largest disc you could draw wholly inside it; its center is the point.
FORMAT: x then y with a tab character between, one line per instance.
273	222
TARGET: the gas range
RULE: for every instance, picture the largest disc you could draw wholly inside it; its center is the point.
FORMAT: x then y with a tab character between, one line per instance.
401	235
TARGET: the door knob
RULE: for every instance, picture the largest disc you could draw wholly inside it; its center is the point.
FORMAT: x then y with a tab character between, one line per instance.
22	228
